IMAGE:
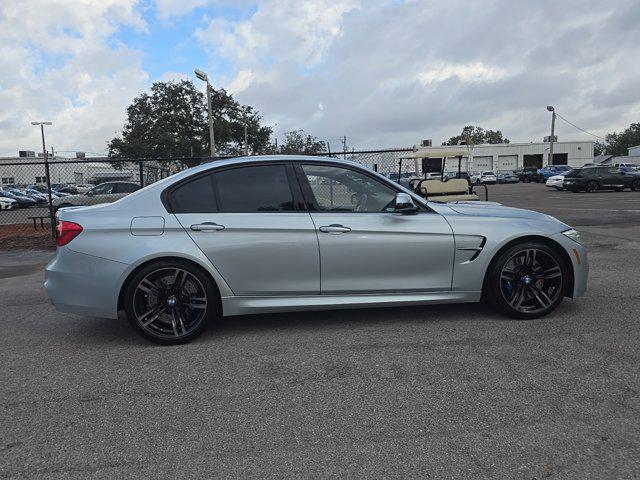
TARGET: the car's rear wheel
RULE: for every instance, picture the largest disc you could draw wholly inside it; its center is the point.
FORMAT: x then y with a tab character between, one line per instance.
171	302
592	186
635	185
527	281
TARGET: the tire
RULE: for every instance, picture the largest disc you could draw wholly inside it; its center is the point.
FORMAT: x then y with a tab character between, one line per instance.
618	189
558	188
635	185
164	313
529	290
592	186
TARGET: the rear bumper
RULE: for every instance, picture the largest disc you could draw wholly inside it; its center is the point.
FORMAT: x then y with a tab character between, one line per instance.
84	284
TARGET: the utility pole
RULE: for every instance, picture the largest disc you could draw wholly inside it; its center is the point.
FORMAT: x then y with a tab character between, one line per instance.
553	129
47	176
246	141
344	147
212	140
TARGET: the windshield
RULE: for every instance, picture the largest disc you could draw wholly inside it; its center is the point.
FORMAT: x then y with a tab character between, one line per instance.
487	173
573	173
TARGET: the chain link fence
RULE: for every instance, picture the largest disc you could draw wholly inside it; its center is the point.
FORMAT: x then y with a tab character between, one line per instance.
32	190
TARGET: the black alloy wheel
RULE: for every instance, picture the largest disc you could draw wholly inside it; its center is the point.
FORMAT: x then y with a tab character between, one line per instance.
170	302
592	186
527	281
635	185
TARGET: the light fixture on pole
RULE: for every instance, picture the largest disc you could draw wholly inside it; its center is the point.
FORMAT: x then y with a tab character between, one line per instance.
552	137
47	176
212	141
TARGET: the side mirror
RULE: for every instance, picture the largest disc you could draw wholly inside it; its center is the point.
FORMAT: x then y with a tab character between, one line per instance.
404	203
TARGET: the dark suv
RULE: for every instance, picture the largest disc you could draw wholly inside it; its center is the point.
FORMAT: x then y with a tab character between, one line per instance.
591	179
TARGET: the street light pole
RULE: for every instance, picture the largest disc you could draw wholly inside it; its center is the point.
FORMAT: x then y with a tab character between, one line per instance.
553	129
47	176
212	140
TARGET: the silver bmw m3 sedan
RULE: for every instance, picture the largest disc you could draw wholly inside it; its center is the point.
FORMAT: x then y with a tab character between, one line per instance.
290	233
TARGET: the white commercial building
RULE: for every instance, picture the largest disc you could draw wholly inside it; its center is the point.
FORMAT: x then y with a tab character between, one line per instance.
507	156
634	151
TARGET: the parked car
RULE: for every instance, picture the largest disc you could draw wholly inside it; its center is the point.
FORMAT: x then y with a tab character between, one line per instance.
32	194
507	177
7	203
104	193
263	234
487	178
23	200
592	179
633	166
65	188
528	174
545	173
556	181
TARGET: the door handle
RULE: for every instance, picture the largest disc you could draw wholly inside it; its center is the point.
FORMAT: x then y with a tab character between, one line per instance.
334	228
207	227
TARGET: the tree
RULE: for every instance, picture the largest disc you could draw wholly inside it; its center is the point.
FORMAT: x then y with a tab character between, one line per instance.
477	135
298	142
599	148
618	143
171	121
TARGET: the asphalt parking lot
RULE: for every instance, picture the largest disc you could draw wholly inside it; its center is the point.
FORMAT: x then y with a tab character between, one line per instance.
431	392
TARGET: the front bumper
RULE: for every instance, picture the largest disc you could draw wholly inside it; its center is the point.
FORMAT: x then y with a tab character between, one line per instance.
579	261
84	284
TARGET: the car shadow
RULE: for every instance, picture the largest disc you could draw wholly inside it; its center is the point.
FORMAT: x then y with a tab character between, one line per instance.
91	330
343	318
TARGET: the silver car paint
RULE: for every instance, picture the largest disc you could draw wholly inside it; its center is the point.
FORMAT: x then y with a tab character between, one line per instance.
87	276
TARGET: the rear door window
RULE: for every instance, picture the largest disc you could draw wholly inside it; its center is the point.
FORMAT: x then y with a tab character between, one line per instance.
259	188
195	196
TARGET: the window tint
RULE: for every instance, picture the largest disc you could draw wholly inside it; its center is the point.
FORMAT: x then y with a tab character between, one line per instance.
339	189
103	189
195	196
254	189
602	170
127	187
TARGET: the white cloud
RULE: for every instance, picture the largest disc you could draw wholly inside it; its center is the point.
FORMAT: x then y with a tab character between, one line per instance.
66	71
390	73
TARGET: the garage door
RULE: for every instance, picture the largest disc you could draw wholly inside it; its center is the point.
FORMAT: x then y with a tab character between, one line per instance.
482	163
507	162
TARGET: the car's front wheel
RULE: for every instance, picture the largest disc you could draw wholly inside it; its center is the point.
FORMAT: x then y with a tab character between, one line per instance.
592	186
635	185
527	281
171	302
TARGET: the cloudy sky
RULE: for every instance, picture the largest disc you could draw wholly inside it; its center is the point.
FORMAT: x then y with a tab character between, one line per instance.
382	72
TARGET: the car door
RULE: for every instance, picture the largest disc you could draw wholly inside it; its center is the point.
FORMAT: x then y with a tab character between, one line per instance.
251	224
364	247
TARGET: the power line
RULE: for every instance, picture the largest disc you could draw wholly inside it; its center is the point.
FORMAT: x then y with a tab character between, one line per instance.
581	129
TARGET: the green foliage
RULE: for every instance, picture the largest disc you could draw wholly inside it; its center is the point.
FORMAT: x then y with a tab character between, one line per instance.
477	135
171	121
599	148
298	142
618	143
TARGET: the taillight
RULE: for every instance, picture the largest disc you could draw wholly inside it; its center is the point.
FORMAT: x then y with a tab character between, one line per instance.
66	231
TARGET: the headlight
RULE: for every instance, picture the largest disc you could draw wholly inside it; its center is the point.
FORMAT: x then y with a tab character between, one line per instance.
572	234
